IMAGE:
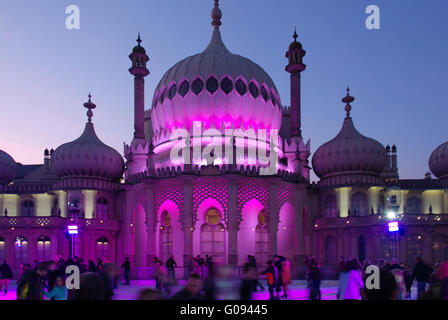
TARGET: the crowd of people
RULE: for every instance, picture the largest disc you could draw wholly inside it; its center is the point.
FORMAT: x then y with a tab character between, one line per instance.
395	280
206	280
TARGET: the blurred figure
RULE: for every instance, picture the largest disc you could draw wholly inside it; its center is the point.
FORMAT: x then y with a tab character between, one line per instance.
387	290
279	265
407	281
343	281
31	283
421	273
99	264
59	291
354	282
107	274
225	284
5	275
171	271
91	267
247	283
159	275
438	289
91	287
192	289
272	278
126	265
315	279
286	277
149	294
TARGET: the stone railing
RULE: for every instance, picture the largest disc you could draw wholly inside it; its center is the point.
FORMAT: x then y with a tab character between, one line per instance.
249	171
378	220
57	222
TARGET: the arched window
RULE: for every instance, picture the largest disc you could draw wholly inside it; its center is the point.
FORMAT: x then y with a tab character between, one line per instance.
43	248
21	250
439	248
74	203
359	204
2	249
331	251
102	208
28	208
415	247
102	248
361	248
261	240
213	236
413	205
166	236
331	210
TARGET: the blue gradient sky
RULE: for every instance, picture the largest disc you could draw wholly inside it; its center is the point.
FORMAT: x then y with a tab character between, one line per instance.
398	74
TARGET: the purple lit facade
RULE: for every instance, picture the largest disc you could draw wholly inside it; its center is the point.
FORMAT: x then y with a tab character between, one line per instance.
146	207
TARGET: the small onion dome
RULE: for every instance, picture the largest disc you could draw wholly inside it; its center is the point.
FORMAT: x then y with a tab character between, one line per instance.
349	153
438	161
138	48
87	156
8	168
295	44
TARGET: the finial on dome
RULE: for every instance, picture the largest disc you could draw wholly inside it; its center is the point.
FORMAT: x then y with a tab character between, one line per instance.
295	36
347	100
216	15
139	40
89	105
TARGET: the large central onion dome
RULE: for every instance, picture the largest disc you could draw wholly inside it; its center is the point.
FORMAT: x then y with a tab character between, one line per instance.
8	168
349	153
87	156
438	161
218	88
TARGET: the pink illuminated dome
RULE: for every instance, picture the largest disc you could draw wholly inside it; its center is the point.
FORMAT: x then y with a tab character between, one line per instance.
349	153
218	88
87	156
438	161
8	168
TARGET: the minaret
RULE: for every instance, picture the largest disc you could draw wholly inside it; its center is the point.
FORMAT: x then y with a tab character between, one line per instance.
139	71
295	67
137	152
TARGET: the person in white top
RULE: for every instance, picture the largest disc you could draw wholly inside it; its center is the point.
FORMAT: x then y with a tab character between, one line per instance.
354	282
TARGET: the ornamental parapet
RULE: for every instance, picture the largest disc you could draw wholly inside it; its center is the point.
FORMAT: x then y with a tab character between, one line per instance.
380	220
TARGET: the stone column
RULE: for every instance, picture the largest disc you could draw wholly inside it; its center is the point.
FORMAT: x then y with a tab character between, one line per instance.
300	241
232	223
273	216
151	222
188	223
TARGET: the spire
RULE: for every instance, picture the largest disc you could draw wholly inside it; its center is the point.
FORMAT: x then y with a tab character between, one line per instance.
139	40
295	36
216	15
347	100
89	105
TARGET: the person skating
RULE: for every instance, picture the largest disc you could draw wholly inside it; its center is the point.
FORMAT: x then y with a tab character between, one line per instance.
5	275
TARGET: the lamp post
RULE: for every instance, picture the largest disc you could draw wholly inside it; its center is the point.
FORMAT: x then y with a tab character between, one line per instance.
72	231
394	231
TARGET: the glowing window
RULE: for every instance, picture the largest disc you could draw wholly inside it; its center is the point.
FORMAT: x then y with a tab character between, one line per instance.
213	216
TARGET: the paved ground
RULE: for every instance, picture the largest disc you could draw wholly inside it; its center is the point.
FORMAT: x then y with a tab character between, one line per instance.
297	291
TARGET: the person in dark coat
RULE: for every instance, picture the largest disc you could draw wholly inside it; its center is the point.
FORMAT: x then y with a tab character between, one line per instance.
91	266
5	275
192	289
279	265
272	274
422	273
31	283
108	274
315	278
170	268
126	265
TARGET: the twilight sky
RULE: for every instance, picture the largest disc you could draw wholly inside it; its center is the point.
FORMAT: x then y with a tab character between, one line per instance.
398	74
